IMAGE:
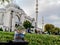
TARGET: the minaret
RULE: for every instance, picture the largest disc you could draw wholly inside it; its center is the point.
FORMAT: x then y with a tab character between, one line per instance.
36	14
42	23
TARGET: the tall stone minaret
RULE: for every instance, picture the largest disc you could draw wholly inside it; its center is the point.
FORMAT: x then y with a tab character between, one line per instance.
42	23
36	14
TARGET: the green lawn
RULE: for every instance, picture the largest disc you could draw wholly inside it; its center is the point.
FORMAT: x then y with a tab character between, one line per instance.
33	39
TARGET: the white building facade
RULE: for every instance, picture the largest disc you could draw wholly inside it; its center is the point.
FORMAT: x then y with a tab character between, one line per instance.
9	14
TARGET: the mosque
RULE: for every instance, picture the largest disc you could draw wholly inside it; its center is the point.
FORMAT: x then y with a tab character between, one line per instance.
12	14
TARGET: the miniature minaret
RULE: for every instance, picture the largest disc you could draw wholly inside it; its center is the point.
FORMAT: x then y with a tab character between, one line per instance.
42	23
36	14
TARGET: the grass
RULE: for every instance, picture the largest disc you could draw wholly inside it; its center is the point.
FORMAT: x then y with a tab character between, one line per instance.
4	36
33	39
39	39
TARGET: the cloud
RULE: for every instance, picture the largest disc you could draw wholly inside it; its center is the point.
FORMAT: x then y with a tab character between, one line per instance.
27	6
50	9
43	4
53	17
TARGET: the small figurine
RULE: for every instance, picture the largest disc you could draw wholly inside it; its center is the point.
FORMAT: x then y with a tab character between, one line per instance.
19	35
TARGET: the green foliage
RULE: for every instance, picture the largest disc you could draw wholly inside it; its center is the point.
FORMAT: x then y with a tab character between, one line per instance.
27	24
1	29
4	36
50	28
20	28
39	39
33	39
56	30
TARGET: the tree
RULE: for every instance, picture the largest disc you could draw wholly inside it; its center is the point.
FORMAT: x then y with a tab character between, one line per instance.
27	24
56	30
1	29
49	27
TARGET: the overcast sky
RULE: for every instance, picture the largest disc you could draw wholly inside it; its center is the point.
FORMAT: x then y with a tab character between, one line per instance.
49	9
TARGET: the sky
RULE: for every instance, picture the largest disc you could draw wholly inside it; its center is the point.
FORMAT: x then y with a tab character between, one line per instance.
49	9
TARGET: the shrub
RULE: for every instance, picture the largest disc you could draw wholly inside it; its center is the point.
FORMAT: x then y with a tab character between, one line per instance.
33	39
1	29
